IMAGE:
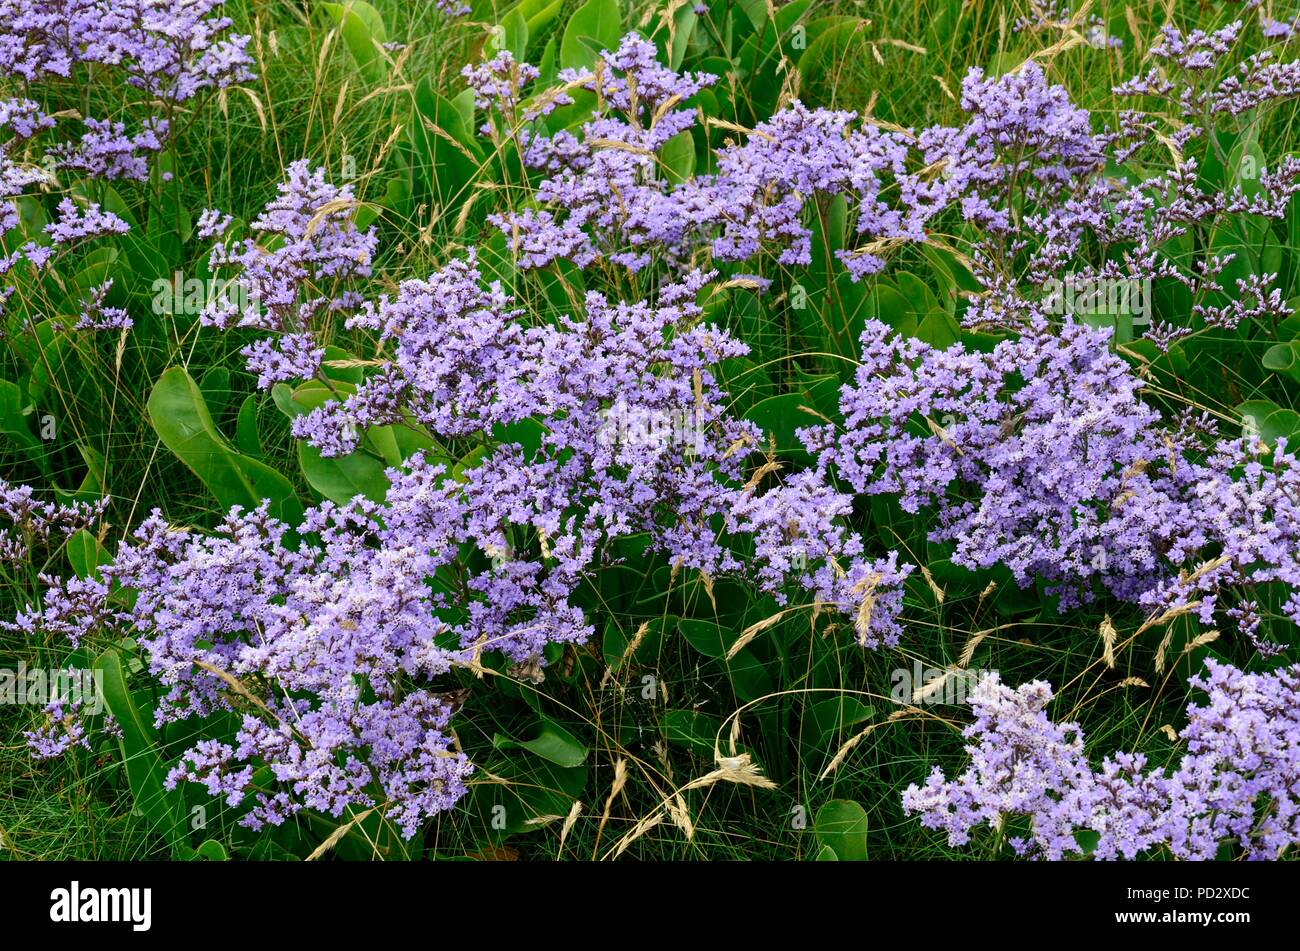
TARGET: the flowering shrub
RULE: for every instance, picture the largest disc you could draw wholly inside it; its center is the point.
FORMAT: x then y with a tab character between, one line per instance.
634	356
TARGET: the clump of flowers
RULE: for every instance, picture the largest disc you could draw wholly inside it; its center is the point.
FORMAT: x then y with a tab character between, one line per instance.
30	523
800	537
170	52
1236	783
1038	455
1024	144
604	192
68	715
294	275
758	197
335	637
604	195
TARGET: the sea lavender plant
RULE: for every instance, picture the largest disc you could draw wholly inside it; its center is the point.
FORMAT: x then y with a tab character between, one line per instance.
1235	785
1041	456
294	276
1059	469
604	193
170	52
29	522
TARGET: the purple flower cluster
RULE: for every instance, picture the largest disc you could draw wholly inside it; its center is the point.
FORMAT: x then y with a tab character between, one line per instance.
29	522
324	648
97	315
1057	15
1024	144
170	51
1236	784
1040	456
76	224
69	714
63	729
294	275
800	537
309	245
604	193
758	197
1243	507
464	366
340	636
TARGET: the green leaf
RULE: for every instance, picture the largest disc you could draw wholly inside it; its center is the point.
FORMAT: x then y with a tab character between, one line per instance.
841	825
1247	162
533	789
247	435
1254	412
14	411
47	354
780	416
447	156
917	292
826	718
1088	840
595	26
691	728
553	743
140	755
1283	358
678	158
180	417
212	851
1269	421
91	488
515	33
939	329
749	679
86	554
836	41
363	32
1281	424
95	269
547	67
684	19
539	14
617	640
527	433
341	478
706	637
887	304
755	10
215	387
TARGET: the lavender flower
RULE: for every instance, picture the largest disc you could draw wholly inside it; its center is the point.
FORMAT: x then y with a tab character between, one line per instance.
75	224
1235	784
